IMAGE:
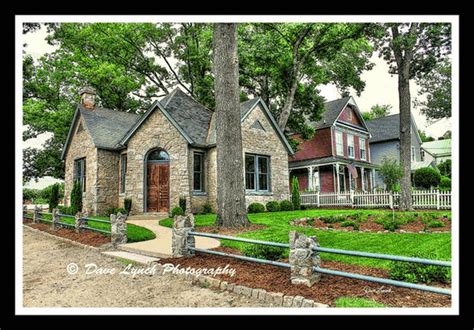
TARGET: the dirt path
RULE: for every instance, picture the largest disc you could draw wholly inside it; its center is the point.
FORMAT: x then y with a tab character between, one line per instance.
47	283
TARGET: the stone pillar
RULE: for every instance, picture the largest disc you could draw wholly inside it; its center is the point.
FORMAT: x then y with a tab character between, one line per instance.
79	222
181	241
55	220
36	214
118	228
303	259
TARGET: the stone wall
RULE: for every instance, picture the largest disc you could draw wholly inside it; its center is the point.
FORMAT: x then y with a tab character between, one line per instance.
107	180
156	132
266	142
81	146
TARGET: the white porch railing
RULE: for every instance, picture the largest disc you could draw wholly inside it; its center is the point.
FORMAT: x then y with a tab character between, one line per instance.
422	199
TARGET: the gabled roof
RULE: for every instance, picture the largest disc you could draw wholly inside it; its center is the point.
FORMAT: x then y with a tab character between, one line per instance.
387	128
438	147
105	126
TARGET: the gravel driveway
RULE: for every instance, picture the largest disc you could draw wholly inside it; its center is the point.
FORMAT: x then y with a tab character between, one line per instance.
46	282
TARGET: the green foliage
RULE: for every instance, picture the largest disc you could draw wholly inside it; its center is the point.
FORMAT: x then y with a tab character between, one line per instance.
419	273
424	137
377	111
354	302
256	208
30	194
435	224
182	203
390	222
445	183
390	172
115	210
427	177
177	211
273	206
69	210
127	203
350	223
332	218
46	192
207	208
263	252
76	197
445	168
295	193
54	197
286	205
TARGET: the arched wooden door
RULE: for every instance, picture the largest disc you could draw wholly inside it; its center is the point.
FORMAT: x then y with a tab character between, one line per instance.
158	183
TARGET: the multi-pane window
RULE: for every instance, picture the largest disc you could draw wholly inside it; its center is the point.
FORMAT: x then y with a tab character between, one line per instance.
257	173
350	145
80	172
362	149
339	144
123	172
198	172
413	154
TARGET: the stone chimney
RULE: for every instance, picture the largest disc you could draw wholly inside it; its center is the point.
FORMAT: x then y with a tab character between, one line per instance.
87	97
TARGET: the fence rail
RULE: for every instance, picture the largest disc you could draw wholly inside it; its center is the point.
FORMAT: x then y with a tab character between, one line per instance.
422	199
331	271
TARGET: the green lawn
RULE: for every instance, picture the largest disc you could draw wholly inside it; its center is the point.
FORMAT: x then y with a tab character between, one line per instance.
352	302
390	243
134	233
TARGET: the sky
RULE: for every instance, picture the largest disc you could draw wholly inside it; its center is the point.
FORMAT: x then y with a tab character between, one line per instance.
381	88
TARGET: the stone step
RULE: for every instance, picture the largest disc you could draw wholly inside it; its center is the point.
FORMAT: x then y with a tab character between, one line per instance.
138	258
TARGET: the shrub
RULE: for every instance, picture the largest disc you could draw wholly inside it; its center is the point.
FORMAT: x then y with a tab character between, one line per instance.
445	168
256	208
120	210
295	193
390	172
207	208
273	206
46	192
127	203
414	272
286	206
445	183
332	218
76	197
30	194
54	197
427	177
435	224
115	210
182	203
349	223
177	211
264	252
66	210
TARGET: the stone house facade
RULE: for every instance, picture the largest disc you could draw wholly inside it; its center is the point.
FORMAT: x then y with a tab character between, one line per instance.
166	154
337	158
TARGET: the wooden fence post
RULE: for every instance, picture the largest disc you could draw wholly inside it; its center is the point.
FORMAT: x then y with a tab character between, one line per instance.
390	200
351	197
437	199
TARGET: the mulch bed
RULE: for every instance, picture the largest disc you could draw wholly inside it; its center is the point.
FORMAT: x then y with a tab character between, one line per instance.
327	290
370	226
229	231
86	237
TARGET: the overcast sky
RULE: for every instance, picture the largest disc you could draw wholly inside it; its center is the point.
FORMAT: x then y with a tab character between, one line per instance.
381	88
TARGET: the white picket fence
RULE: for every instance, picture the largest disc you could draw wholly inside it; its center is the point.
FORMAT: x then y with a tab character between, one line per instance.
421	199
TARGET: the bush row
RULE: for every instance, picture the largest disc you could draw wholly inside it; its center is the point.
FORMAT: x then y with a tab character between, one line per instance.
272	206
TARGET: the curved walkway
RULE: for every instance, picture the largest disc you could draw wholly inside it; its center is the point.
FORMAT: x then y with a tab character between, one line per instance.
161	245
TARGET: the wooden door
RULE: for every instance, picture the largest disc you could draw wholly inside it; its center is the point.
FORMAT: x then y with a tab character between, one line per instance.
158	187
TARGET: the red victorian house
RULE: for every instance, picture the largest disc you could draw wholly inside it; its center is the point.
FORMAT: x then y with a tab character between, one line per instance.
337	158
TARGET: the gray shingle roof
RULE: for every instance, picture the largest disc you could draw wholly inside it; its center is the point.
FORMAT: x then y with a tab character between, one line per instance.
107	127
385	128
190	115
331	112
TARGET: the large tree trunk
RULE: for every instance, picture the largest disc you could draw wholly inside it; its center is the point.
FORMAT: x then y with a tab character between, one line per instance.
405	136
231	209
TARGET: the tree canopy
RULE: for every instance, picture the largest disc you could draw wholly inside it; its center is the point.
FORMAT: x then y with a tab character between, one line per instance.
377	111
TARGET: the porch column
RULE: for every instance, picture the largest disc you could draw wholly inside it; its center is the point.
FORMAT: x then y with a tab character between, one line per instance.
373	179
350	180
338	186
310	177
362	178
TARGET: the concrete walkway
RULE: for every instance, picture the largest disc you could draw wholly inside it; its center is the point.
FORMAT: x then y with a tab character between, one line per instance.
161	246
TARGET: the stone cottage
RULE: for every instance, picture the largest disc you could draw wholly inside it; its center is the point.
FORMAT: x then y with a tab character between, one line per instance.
166	154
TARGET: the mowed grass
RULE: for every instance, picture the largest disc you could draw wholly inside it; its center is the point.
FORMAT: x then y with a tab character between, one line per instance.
353	302
134	233
277	229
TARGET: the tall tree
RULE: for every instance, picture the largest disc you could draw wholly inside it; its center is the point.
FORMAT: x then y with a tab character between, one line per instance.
231	210
436	85
377	111
424	137
412	51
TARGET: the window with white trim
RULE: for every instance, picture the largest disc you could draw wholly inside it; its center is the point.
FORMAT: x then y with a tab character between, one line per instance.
339	144
413	154
362	149
350	145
